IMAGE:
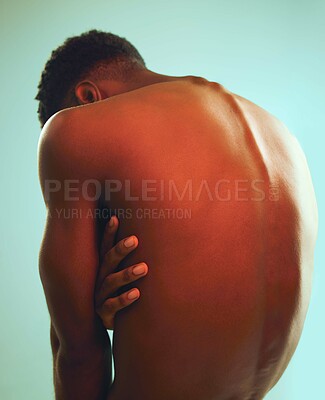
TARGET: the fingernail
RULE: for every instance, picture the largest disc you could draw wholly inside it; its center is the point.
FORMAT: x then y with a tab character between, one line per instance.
139	269
133	294
111	222
129	242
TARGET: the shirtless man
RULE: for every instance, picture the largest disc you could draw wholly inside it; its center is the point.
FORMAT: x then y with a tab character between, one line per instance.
216	195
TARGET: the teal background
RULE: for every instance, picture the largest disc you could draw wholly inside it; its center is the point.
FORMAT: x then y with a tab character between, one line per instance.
271	52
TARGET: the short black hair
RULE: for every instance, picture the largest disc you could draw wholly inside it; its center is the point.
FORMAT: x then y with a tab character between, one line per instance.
74	59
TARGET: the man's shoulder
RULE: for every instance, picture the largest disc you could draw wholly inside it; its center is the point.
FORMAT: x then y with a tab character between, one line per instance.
64	146
122	108
72	131
58	128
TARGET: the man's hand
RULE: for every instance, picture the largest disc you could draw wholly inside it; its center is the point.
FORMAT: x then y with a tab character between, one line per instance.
108	282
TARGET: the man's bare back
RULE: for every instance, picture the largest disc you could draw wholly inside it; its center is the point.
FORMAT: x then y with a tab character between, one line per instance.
212	186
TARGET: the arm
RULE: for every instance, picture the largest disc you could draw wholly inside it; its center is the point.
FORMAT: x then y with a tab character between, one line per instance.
81	348
108	303
68	267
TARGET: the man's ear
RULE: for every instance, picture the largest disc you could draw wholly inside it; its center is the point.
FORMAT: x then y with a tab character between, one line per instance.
87	92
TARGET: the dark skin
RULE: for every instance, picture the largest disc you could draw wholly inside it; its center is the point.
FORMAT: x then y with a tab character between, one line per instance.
80	344
222	309
109	281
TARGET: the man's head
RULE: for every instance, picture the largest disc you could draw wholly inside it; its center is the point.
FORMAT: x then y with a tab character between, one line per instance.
69	75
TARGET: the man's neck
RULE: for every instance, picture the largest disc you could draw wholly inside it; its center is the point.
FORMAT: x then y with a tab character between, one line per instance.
140	79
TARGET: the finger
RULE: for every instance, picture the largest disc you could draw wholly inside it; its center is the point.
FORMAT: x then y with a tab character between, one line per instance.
115	255
117	280
109	235
112	305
